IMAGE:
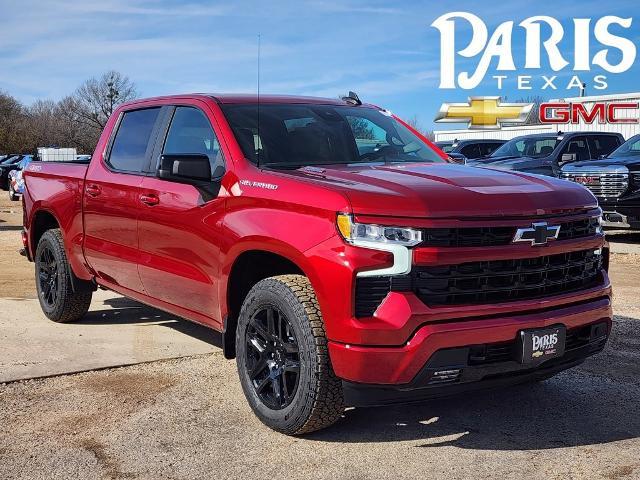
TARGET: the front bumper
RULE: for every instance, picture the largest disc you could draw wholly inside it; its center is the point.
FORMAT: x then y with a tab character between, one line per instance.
449	372
401	366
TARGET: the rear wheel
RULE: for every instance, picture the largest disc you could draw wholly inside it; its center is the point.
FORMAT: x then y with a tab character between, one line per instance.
53	281
282	357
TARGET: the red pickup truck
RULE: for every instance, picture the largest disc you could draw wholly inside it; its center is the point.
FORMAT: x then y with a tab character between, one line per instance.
343	258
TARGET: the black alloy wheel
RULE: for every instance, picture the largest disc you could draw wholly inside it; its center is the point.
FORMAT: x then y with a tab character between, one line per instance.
272	357
48	271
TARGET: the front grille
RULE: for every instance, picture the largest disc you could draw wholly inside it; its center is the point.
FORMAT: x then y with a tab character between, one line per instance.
506	280
485	282
602	185
494	236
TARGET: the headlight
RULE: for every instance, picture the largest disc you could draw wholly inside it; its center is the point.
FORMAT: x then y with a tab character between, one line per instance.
360	232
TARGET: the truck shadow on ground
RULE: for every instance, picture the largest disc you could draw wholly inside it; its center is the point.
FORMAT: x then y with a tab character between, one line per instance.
124	311
595	403
570	410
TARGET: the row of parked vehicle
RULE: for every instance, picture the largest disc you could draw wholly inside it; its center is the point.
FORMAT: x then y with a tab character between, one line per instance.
601	161
11	168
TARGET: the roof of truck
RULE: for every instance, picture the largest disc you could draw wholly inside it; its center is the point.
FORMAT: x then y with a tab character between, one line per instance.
252	98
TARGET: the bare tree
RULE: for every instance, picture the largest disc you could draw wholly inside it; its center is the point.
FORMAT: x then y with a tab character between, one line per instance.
97	98
12	120
415	123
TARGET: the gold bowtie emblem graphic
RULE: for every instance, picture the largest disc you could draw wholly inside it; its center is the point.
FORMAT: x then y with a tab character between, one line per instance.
484	113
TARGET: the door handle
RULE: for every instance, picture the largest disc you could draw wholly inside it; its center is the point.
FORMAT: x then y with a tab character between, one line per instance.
92	190
149	199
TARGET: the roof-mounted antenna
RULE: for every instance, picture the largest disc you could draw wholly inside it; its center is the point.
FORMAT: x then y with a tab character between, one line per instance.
257	147
352	98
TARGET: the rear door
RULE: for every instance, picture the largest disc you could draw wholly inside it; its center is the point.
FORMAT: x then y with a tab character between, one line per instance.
111	200
180	226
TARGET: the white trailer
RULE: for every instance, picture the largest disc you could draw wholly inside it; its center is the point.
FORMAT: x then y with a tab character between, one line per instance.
54	154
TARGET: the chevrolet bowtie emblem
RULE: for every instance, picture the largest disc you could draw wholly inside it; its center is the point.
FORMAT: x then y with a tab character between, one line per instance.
538	234
484	113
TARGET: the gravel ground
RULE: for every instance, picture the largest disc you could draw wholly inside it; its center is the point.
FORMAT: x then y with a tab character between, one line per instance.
187	418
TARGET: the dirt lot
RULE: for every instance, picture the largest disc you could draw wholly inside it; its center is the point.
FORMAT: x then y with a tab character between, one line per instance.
186	418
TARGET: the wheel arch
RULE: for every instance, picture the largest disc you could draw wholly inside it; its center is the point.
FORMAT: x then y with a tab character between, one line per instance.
248	267
42	221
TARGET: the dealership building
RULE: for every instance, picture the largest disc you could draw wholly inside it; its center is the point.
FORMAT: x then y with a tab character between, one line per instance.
627	130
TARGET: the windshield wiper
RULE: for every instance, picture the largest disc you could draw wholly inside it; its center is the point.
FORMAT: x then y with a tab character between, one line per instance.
282	165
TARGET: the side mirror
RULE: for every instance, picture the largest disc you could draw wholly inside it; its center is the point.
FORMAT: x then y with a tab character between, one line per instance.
568	157
185	168
457	158
192	169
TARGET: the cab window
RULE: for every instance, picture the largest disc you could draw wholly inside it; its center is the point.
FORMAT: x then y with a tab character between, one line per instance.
471	151
191	133
578	147
603	144
129	148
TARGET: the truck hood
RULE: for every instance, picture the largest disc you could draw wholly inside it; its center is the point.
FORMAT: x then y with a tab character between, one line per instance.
632	162
507	163
444	190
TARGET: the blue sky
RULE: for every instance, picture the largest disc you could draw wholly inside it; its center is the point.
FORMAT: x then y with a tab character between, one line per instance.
385	51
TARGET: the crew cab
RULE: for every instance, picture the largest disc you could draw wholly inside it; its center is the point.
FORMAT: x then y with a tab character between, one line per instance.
344	259
545	154
615	181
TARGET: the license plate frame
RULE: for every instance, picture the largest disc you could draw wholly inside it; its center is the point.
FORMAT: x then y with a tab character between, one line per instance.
539	345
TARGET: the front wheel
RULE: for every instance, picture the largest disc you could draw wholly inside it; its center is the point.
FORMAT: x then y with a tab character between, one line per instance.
58	300
282	357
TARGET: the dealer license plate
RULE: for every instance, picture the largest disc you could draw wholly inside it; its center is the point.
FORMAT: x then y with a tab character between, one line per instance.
542	344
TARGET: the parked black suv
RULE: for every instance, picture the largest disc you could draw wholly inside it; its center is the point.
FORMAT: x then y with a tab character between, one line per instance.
546	153
470	149
615	181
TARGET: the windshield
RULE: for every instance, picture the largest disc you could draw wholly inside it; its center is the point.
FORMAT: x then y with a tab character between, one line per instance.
293	136
527	147
629	148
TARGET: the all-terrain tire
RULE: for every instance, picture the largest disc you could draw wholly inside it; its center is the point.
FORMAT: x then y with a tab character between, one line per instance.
64	305
318	400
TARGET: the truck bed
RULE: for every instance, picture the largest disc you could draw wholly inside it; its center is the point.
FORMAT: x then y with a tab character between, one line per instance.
55	188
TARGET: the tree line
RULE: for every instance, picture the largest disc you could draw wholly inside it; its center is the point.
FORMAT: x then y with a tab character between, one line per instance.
75	121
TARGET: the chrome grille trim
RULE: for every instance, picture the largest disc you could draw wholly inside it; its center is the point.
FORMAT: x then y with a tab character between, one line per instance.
610	184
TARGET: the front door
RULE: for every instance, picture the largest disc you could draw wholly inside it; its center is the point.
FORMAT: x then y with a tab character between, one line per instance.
111	201
179	226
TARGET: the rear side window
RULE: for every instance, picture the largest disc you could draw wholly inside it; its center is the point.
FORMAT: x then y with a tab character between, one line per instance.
603	144
128	153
